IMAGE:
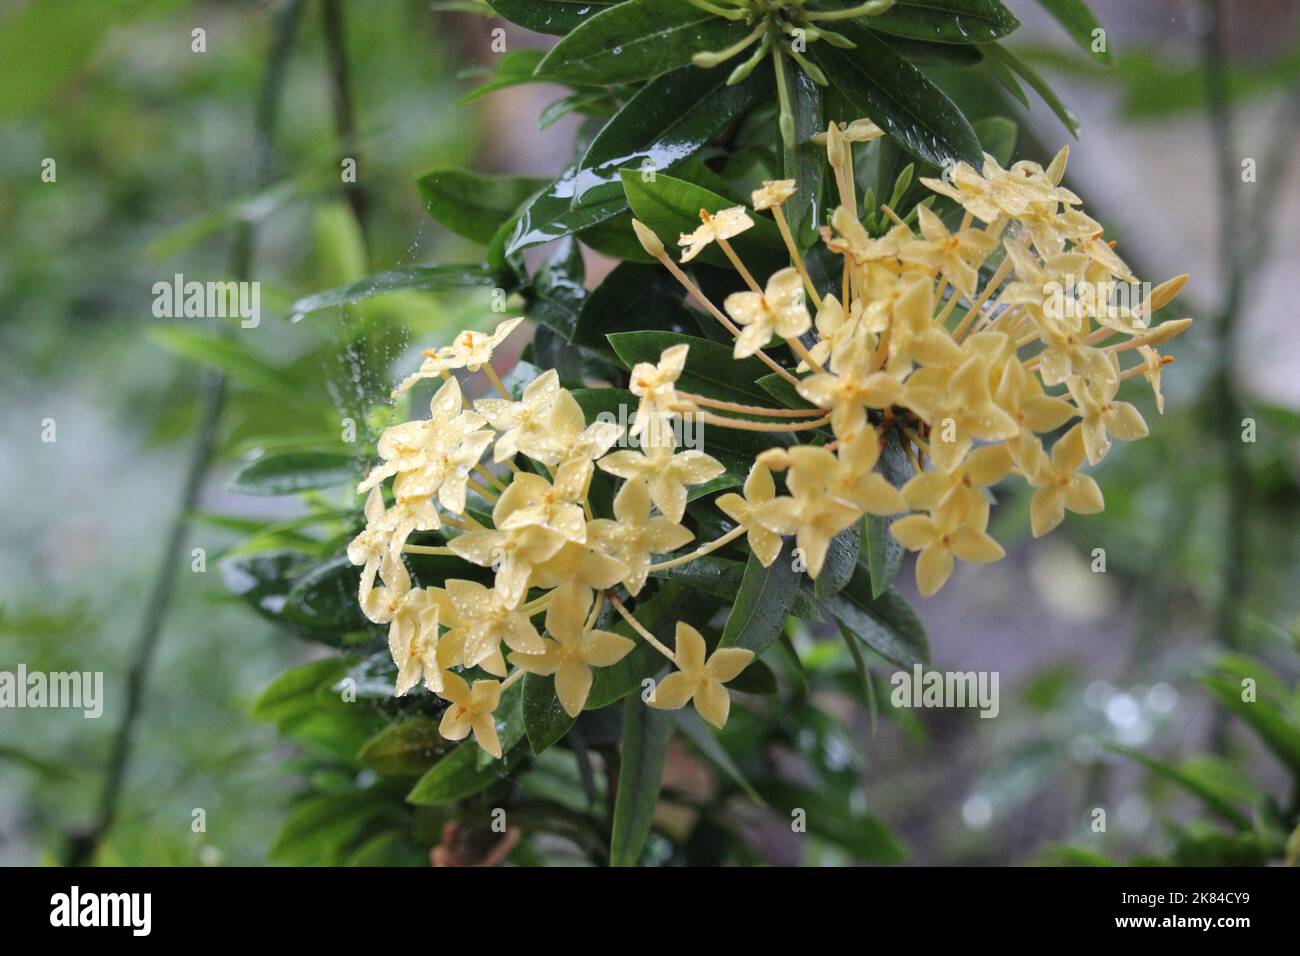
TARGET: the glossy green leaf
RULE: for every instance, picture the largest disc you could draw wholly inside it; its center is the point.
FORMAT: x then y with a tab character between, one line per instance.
294	691
710	368
640	775
721	578
631	298
556	17
945	21
558	294
803	161
545	721
763	603
932	54
473	205
637	40
886	624
660	127
405	748
671	207
877	83
287	473
414	278
884	555
841	561
1082	26
512	69
325	599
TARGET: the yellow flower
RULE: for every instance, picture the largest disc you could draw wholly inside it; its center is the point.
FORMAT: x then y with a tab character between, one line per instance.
700	679
471	709
780	309
959	407
1103	416
759	489
773	193
1060	486
1021	396
411	445
955	530
724	225
480	622
811	514
572	651
635	536
666	473
847	476
656	385
850	387
445	473
531	424
368	547
472	350
957	256
532	501
1152	363
850	239
986	465
512	554
579	563
413	640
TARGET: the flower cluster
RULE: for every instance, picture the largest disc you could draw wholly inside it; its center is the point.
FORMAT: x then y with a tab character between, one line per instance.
975	353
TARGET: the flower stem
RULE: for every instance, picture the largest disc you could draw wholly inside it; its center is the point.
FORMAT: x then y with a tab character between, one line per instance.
636	626
750	409
746	425
495	379
701	551
779	215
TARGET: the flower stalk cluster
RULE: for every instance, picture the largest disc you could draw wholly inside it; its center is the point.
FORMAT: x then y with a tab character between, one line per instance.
944	341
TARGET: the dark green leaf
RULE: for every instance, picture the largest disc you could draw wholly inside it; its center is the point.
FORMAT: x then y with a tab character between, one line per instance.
545	721
998	137
831	817
406	748
1015	64
556	17
558	291
763	603
877	83
804	161
932	54
841	560
512	69
637	40
1080	23
415	278
671	206
288	473
702	736
473	205
883	552
630	298
294	691
710	368
640	775
325	599
721	578
659	128
886	624
945	21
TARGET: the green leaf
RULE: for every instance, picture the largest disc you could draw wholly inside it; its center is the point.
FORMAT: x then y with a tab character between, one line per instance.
288	473
885	624
558	292
831	817
658	615
671	206
932	54
414	278
630	298
272	582
721	578
877	83
780	389
1080	23
512	69
660	127
998	137
405	748
473	205
1276	728
556	17
640	775
756	678
545	721
995	51
325	599
841	560
1196	781
637	40
945	21
763	603
228	355
294	691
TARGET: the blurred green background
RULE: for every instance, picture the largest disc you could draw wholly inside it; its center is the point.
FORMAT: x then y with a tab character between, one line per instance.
157	167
